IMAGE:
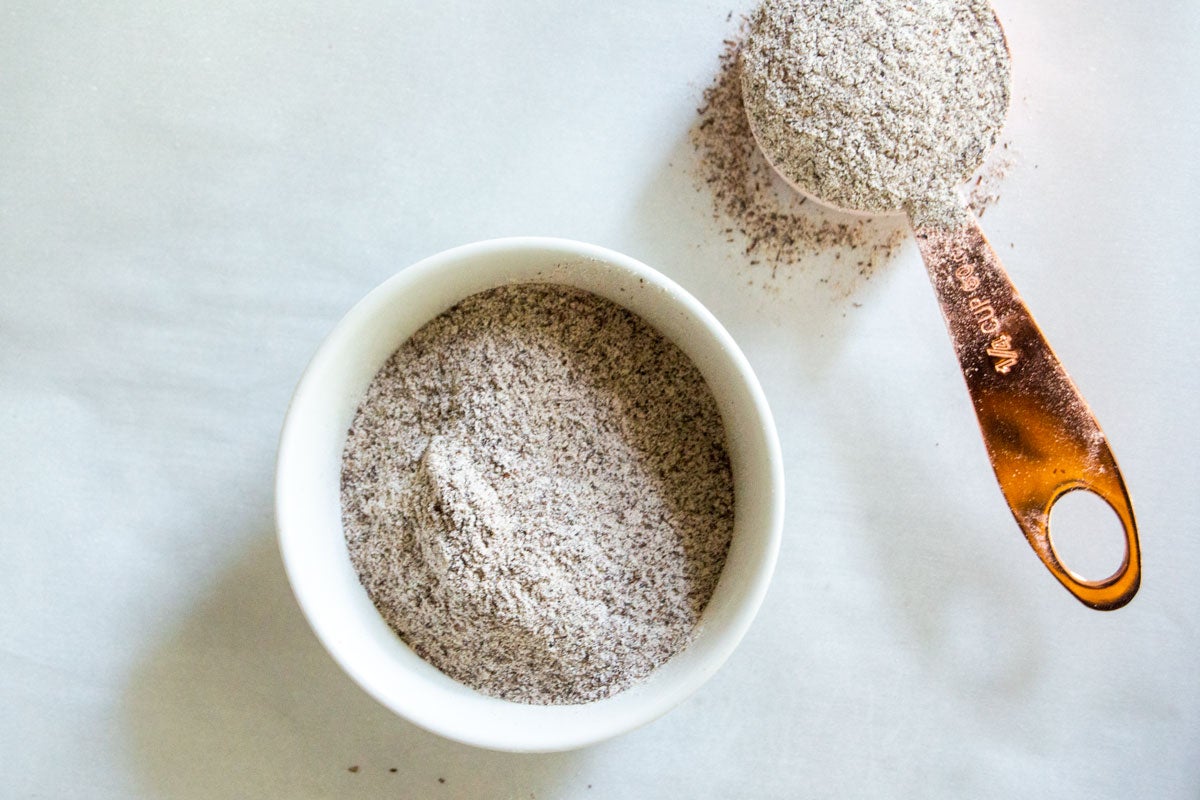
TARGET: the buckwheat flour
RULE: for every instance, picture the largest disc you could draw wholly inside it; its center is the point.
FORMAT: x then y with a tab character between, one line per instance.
877	105
537	496
776	227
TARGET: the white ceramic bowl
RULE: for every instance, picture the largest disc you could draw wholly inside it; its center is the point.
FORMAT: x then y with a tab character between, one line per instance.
307	505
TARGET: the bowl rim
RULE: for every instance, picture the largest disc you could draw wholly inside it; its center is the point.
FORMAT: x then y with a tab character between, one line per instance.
386	294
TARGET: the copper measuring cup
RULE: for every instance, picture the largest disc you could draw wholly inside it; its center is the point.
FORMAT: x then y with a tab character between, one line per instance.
1041	438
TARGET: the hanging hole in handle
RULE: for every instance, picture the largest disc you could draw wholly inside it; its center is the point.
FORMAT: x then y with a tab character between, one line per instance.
1087	536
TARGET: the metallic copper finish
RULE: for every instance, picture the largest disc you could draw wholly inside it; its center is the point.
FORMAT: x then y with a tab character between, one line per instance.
1041	437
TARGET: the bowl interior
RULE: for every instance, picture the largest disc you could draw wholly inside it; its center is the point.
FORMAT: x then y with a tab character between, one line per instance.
309	516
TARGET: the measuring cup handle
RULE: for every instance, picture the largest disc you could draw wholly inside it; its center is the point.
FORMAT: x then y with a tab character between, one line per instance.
1040	435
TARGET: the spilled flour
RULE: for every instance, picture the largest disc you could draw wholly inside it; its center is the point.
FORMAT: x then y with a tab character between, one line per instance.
776	230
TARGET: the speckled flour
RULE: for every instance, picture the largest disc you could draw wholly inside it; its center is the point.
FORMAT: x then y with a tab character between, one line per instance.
537	496
877	105
776	228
